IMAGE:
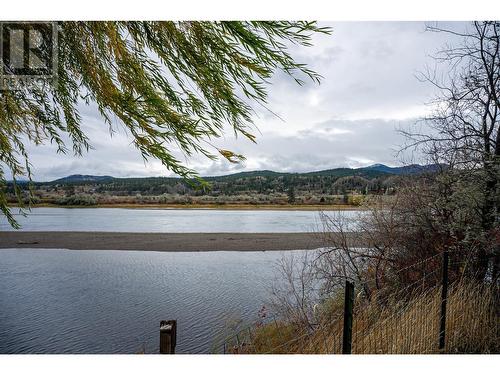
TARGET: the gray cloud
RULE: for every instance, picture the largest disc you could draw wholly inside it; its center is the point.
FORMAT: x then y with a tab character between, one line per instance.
369	90
330	144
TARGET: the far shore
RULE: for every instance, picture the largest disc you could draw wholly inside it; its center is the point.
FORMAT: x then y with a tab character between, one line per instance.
171	242
235	207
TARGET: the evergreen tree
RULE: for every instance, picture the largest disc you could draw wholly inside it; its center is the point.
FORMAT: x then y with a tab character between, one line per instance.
291	194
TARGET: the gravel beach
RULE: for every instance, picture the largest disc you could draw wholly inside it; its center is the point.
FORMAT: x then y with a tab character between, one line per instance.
160	241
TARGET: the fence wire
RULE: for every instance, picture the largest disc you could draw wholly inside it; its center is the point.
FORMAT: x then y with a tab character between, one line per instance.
404	321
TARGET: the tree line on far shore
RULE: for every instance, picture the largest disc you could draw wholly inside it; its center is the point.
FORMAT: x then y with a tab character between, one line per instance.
341	186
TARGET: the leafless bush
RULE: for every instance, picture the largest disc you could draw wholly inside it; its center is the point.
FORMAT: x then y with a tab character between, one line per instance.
295	293
382	248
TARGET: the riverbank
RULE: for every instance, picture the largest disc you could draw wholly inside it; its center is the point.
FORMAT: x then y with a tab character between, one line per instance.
172	242
235	207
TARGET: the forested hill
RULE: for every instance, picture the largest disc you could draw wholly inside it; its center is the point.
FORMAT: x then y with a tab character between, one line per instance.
331	181
258	187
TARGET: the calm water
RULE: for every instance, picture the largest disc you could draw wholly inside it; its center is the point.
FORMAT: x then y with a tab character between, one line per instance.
62	301
174	221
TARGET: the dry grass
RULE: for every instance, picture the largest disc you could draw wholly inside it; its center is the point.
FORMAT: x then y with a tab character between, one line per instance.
411	327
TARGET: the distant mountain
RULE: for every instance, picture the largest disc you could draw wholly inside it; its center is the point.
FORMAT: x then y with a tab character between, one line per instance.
330	186
346	172
372	171
405	170
383	168
263	173
78	178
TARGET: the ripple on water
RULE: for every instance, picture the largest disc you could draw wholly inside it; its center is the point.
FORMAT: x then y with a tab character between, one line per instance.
60	301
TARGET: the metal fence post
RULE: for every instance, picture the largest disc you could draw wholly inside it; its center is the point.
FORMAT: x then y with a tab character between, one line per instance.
444	297
348	307
168	336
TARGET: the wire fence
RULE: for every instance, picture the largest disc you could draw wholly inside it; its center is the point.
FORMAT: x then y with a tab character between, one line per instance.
439	309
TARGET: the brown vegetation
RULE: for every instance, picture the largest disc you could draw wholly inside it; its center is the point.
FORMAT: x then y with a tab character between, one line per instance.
411	327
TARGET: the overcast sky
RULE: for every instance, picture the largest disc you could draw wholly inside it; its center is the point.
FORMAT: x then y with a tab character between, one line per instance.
369	90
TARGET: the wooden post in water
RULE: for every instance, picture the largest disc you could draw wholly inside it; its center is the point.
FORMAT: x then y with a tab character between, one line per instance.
444	297
168	336
348	307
